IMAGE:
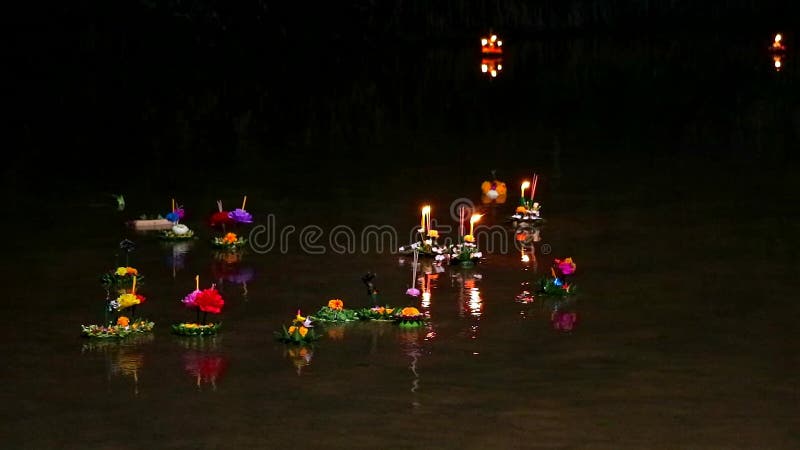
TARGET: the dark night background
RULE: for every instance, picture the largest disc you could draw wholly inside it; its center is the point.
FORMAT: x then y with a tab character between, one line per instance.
162	84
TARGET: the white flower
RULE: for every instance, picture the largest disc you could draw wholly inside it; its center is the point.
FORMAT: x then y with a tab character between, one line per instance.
180	228
439	257
415	246
429	242
402	249
492	194
477	255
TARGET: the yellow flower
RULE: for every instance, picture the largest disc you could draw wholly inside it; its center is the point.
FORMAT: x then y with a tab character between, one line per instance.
121	271
303	331
127	300
336	304
433	233
292	329
389	310
469	238
410	311
190	325
299	318
123	321
229	238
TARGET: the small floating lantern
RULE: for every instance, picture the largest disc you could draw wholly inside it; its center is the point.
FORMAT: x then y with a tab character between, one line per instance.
491	45
777	44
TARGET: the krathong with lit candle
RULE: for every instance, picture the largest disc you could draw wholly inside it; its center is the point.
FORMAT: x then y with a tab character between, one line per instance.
493	191
300	332
178	231
121	277
335	311
466	253
559	283
491	45
529	210
777	44
428	243
201	301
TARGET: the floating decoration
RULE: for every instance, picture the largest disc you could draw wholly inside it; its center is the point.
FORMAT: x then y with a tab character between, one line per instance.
777	44
121	277
125	323
491	45
230	241
466	253
301	331
178	231
558	284
528	211
205	301
378	313
158	222
413	291
221	217
410	317
428	244
335	311
493	191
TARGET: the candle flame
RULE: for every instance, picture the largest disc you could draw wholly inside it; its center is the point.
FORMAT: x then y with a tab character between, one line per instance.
475	218
778	37
526	184
426	209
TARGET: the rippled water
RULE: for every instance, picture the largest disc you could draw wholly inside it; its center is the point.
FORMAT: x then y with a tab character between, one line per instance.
666	172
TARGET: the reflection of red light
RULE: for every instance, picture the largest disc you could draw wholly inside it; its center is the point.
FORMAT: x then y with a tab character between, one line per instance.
205	368
492	66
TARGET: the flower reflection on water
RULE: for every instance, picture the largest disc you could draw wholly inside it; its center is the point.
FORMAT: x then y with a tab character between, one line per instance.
123	358
206	368
300	356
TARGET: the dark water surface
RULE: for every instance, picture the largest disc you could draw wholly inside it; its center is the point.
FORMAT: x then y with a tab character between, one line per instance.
667	171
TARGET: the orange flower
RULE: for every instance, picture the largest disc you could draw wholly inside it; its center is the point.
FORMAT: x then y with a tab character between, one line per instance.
123	321
303	331
410	311
336	304
433	233
292	329
521	210
229	238
469	238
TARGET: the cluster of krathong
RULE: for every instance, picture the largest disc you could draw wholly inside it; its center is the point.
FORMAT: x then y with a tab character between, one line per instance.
335	311
123	308
428	244
301	331
178	231
206	301
528	210
560	282
378	313
223	220
466	253
492	51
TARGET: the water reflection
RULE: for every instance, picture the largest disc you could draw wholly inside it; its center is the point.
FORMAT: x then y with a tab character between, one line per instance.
124	358
205	367
299	355
491	66
470	299
227	267
412	343
563	315
176	258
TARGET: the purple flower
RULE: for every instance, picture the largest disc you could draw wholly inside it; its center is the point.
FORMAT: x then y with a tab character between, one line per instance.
414	292
240	216
189	300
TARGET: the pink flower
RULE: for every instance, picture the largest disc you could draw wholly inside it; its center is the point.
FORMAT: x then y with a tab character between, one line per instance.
189	300
414	292
566	267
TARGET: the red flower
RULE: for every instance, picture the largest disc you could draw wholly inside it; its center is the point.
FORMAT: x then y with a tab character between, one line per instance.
140	297
209	300
220	218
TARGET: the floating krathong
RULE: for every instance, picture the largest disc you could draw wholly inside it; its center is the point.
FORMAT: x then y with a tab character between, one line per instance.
410	317
428	244
205	301
466	253
491	45
335	311
300	332
493	191
125	321
230	241
528	211
560	282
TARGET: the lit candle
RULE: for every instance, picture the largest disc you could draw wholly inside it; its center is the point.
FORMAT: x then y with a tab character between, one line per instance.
472	220
197	282
426	210
525	185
